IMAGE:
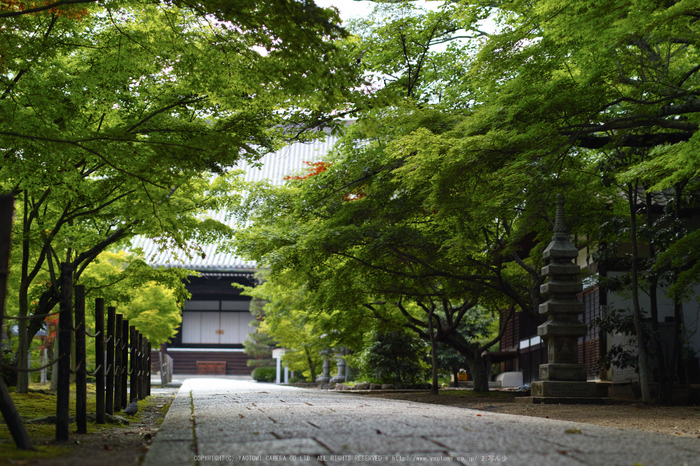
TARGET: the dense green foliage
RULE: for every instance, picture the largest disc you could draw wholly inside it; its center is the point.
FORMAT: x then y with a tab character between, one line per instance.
396	357
123	118
259	345
435	207
264	374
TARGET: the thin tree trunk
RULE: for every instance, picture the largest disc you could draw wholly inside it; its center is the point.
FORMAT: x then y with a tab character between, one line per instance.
312	366
677	361
23	343
433	349
664	392
13	420
636	310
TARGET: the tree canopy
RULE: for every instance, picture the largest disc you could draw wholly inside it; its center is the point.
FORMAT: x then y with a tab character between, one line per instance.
442	193
124	118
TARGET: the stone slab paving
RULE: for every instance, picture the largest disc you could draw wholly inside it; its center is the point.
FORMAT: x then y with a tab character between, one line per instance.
219	421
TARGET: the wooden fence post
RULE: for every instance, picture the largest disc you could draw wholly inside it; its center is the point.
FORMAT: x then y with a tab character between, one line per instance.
149	366
139	366
109	365
80	358
133	364
144	372
100	361
125	361
117	371
64	351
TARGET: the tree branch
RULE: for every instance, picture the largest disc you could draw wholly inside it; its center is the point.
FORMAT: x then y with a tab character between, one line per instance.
500	333
12	14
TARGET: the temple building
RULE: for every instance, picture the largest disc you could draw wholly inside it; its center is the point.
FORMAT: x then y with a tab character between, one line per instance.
216	320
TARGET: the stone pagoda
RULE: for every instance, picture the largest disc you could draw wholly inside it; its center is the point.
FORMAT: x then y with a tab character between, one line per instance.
562	376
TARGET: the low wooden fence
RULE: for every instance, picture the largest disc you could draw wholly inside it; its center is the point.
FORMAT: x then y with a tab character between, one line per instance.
122	368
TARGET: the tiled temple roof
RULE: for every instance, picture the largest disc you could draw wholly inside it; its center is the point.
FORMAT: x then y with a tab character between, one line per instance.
274	167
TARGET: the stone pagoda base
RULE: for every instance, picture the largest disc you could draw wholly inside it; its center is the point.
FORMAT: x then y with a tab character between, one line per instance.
558	388
563	392
564	400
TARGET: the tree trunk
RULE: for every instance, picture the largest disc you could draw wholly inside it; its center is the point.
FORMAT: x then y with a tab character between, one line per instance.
22	337
477	367
312	366
433	350
472	354
664	389
678	361
636	310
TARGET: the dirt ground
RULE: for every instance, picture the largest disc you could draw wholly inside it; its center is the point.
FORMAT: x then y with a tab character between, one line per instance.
674	420
117	446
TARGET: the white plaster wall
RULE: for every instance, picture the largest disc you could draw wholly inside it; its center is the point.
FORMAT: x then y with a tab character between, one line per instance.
691	309
691	315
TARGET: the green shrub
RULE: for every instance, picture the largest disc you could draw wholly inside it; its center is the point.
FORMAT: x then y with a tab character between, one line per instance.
264	374
394	357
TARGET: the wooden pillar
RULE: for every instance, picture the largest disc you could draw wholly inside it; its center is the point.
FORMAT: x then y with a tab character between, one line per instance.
134	364
109	365
64	351
118	364
100	361
80	358
141	366
125	362
149	366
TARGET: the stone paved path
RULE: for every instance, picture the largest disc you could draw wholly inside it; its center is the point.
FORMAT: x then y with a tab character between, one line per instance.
236	422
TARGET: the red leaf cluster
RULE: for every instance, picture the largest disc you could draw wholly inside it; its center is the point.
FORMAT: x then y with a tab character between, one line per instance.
51	327
314	168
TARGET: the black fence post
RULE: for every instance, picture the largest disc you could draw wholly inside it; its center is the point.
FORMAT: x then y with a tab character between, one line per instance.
149	366
64	349
125	362
80	358
109	365
139	366
100	361
117	370
144	365
133	364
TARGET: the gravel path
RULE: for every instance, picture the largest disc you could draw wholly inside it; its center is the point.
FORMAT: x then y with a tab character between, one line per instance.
235	422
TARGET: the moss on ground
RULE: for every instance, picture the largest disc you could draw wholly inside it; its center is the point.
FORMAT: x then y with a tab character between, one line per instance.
163	410
41	402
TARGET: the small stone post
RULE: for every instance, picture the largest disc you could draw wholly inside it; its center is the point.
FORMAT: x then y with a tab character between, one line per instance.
562	376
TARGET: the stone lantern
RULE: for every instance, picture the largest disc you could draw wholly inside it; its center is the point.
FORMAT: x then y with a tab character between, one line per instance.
562	376
325	376
341	365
